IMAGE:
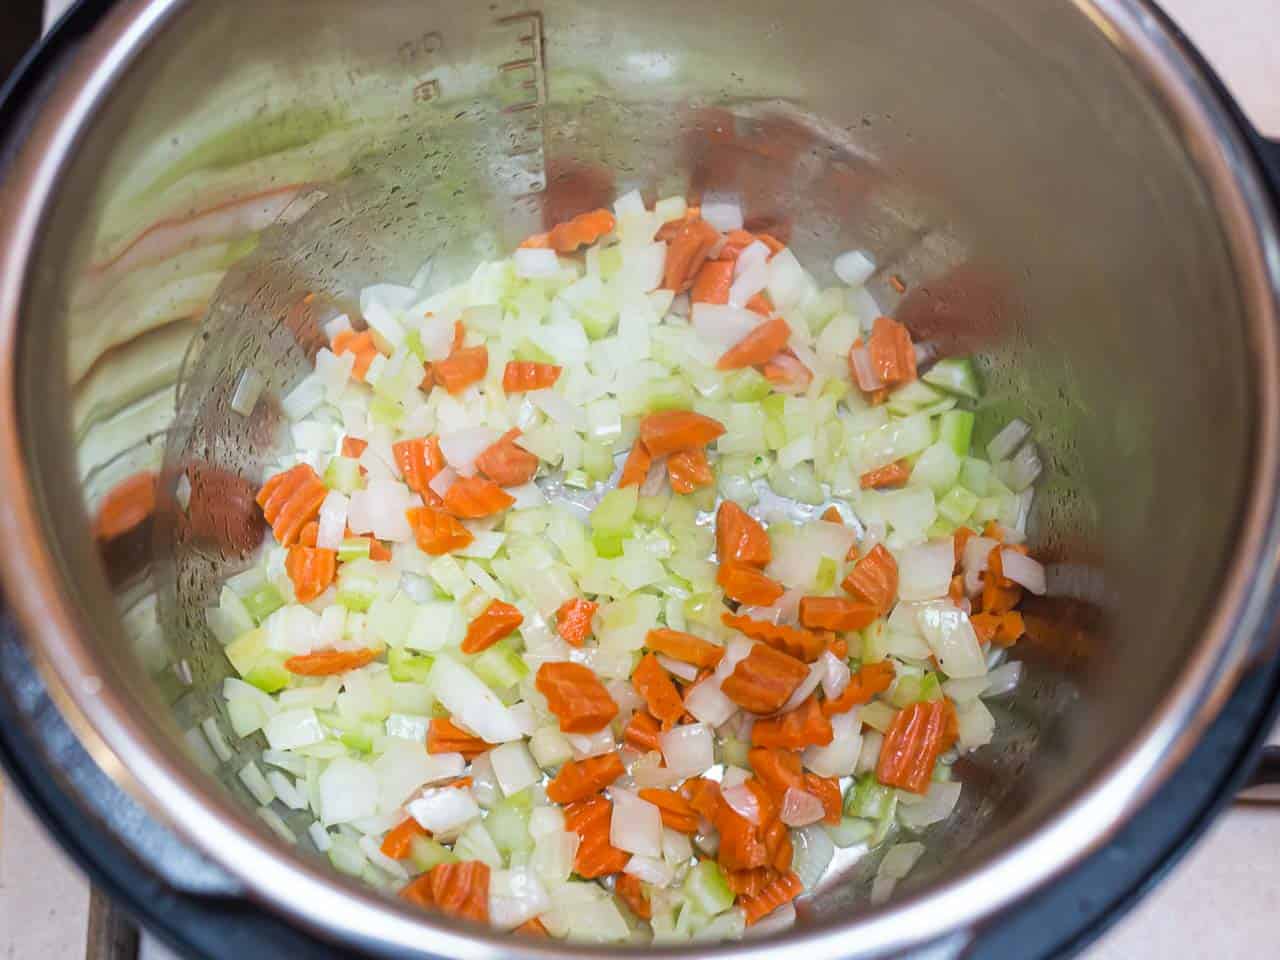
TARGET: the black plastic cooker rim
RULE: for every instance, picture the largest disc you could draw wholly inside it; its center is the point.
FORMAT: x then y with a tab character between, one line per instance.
1059	920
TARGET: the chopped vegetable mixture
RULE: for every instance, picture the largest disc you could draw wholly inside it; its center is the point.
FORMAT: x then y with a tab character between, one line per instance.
611	592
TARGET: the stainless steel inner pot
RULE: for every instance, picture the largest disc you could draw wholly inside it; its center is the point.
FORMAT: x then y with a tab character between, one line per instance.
1056	184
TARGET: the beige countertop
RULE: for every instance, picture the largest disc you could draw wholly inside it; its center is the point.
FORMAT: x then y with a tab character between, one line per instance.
1221	901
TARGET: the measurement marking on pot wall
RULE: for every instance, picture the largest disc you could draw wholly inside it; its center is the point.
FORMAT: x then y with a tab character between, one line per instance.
525	78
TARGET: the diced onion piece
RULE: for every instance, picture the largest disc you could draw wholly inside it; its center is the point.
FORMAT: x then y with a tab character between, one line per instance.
977	551
924	570
534	262
721	325
814	850
650	870
685	671
977	726
707	702
952	639
1003	679
591	744
443	810
462	447
1022	569
854	268
559	409
1004	443
333	521
817	670
291	729
863	370
436	334
514	767
916	813
897	863
515	897
442	481
800	808
636	825
742	801
836	675
472	703
348	791
724	215
689	748
248	389
649	771
840	756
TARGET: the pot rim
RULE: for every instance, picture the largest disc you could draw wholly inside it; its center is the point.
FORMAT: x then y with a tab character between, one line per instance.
120	738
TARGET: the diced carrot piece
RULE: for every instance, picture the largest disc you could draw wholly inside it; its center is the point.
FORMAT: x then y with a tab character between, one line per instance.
498	620
353	447
993	531
326	663
826	789
804	645
997	599
741	847
874	579
436	532
582	230
739	536
759	304
310	535
713	282
399	840
758	346
660	694
311	569
684	647
689	243
507	463
360	345
475	497
777	844
689	470
521	376
778	770
636	467
455	889
892	355
1002	629
126	506
838	646
805	726
891	475
955	592
290	500
747	883
641	732
960	538
461	368
420	461
747	584
836	613
580	779
735	241
531	928
912	745
832	515
703	795
871	679
576	696
764	679
677	812
596	856
573	620
782	890
445	736
631	891
672	430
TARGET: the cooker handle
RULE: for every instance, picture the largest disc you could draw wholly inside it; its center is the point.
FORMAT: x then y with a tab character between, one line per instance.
1269	154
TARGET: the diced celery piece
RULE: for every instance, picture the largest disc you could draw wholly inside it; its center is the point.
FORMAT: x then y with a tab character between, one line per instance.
937	468
269	674
343	474
427	852
906	691
707	889
652	509
355	599
500	667
875	643
930	688
826	576
578	479
942	529
976	476
911	398
263	602
958	505
607	545
869	799
413	343
734	752
530	352
354	548
597	461
391	618
532	521
955	429
407	667
384	411
703	609
955	375
748	386
449	577
508	825
615	513
245	650
850	832
798	483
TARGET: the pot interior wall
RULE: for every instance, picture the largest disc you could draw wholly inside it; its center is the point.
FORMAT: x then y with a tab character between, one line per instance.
1000	160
